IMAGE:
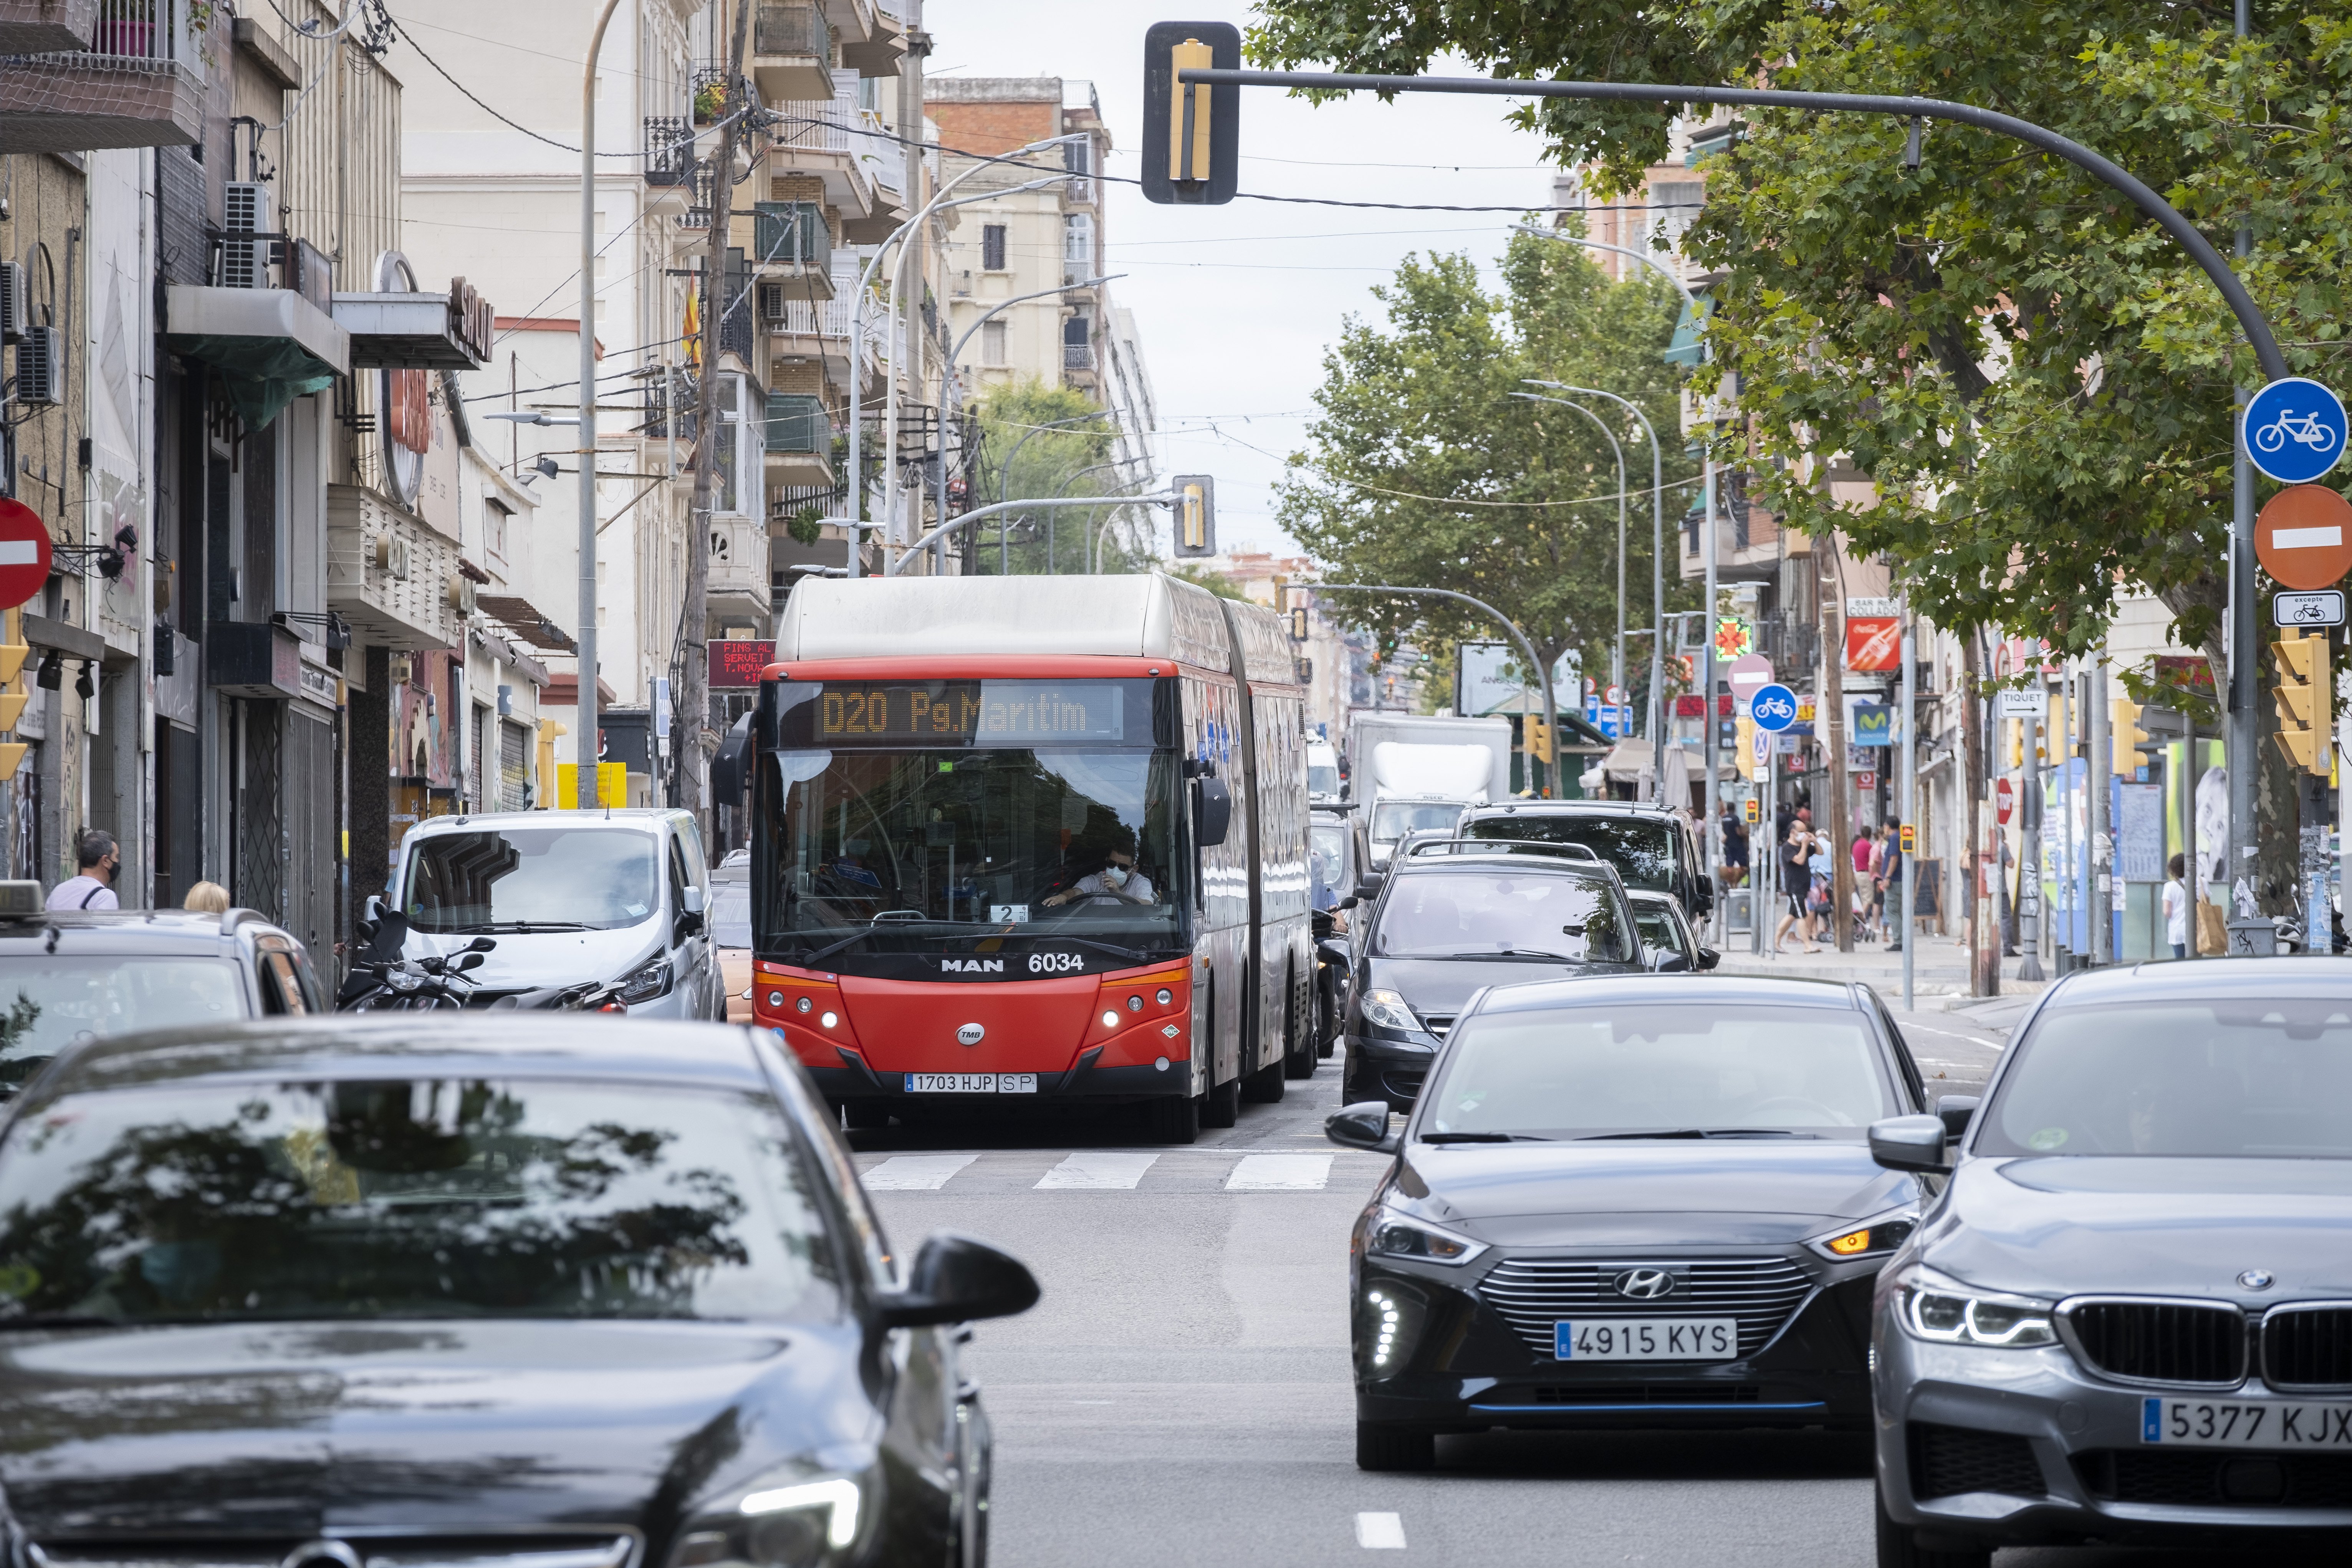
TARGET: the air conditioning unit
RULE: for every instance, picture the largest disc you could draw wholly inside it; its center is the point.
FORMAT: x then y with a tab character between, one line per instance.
771	302
244	210
391	554
402	669
13	305
461	593
41	366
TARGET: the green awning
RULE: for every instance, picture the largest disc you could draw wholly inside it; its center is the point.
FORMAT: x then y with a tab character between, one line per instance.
263	374
1688	347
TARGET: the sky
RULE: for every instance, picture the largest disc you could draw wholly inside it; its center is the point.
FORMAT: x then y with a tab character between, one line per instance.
1235	305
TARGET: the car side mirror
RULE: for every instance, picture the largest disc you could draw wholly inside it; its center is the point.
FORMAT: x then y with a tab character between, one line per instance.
1708	958
1333	952
1369	888
956	1280
1213	811
1349	902
1908	1144
689	923
1670	963
1956	1111
1364	1125
695	900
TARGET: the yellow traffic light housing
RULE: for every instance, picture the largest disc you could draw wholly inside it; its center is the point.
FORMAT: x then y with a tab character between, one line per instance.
1196	514
1539	741
2304	697
1191	131
2125	737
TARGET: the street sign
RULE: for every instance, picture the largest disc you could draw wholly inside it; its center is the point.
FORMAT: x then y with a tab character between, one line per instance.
2293	429
1773	706
737	663
1870	724
2004	798
2303	537
1615	696
23	553
2323	608
1744	676
2022	702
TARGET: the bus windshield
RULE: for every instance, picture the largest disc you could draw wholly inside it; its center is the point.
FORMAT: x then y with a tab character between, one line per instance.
1048	817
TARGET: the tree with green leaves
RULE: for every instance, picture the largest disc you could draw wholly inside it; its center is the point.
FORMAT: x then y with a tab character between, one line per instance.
1424	468
1057	442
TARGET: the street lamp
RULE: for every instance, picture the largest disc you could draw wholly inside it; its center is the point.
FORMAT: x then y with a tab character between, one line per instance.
1617	658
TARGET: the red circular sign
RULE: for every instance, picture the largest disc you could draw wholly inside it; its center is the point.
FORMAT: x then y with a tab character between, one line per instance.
2303	537
23	553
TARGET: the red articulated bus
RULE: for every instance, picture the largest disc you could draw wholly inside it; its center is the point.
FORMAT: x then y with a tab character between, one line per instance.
1033	837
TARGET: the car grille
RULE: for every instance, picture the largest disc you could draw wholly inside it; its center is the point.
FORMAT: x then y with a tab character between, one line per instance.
1439	1024
1531	1294
1948	1460
2195	1478
2308	1347
2160	1341
536	1549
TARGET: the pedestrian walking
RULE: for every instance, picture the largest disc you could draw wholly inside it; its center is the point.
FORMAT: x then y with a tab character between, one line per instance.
1795	853
1735	848
2177	906
100	859
207	898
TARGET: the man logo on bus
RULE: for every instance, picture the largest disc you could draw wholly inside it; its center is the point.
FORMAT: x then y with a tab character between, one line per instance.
972	966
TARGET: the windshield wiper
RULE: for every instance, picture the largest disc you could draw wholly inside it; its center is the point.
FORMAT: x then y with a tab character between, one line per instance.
1521	952
1700	1132
515	927
1484	1138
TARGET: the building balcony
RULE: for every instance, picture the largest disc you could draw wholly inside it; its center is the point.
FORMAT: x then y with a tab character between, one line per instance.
127	92
1078	362
40	26
791	51
799	442
846	147
879	51
388	574
788	243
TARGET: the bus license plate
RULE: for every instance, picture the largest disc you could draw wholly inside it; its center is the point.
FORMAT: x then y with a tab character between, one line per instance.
972	1083
1646	1339
2245	1423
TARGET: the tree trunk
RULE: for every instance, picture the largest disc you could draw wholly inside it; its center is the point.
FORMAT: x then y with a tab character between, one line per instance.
690	714
1984	936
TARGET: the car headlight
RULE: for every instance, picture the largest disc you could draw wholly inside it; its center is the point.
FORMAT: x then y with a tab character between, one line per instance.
807	1521
1393	1236
1873	1239
1937	1309
1388	1010
648	982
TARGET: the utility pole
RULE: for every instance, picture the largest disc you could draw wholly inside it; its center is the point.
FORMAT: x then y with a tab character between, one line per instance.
584	751
1832	721
692	715
2099	776
910	126
2243	717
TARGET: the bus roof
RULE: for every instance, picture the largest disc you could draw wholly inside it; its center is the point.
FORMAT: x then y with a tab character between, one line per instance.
1137	615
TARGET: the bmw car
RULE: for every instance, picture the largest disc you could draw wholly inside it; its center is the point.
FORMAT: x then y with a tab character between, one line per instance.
2128	1317
1631	1201
530	1293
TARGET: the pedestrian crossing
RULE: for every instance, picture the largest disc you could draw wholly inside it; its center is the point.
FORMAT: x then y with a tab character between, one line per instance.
1122	1169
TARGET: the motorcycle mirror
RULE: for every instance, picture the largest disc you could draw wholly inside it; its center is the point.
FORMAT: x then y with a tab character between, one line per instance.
472	959
481	944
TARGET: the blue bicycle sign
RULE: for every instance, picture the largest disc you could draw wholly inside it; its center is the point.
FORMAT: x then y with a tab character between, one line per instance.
1774	707
2294	430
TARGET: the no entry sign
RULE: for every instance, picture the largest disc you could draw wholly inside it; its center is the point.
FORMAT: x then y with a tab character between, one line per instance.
2303	537
23	553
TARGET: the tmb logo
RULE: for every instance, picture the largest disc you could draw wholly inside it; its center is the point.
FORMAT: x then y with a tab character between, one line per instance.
972	966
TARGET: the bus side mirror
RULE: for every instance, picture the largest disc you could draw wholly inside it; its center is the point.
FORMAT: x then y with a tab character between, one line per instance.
731	770
1213	811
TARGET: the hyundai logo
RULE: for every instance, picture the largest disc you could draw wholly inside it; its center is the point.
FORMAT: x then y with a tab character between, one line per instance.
1644	1284
970	1034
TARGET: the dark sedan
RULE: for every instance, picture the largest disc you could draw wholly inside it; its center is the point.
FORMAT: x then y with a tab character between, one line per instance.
2129	1317
1631	1202
522	1294
1453	917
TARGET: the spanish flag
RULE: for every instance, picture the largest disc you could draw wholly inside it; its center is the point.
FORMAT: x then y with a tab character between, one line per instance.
694	326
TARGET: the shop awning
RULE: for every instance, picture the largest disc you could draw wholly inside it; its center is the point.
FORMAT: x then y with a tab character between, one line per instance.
270	345
523	619
1687	347
405	331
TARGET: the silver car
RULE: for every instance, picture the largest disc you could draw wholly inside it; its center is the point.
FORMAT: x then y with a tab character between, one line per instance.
567	896
2128	1316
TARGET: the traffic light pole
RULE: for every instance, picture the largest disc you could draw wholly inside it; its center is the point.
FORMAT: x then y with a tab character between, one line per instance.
2101	776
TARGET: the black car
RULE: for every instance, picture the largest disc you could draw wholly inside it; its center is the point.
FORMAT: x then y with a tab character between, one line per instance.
70	975
1453	917
507	1290
1650	845
1666	934
1631	1202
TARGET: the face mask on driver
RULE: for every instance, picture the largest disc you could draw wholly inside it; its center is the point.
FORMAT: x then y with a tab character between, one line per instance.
1114	876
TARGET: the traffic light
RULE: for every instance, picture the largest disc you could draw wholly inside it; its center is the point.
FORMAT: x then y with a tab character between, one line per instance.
2304	708
1539	740
1752	811
12	695
1196	514
2125	737
1298	623
1191	134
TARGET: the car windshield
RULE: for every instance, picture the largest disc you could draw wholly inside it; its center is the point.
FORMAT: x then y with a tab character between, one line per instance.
2246	1078
1391	820
513	878
1682	1070
48	1003
407	1198
1658	929
1503	913
1323	778
1328	842
1642	849
731	915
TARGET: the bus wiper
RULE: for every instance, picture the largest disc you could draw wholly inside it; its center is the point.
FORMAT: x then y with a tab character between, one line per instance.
1484	1138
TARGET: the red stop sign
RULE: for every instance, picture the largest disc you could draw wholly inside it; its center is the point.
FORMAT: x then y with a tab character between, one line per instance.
2004	800
23	553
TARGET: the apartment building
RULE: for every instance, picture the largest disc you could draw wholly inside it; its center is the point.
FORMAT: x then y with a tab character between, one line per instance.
1024	302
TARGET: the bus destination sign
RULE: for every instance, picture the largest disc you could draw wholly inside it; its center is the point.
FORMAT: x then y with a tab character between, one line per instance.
969	712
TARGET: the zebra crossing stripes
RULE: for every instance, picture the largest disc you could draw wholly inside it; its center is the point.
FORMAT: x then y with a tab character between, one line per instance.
1280	1173
1102	1170
915	1172
1166	1171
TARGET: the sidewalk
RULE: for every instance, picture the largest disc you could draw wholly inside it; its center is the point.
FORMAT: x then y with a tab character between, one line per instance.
1939	969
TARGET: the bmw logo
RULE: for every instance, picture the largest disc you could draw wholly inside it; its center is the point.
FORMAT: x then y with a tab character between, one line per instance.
2258	1280
970	1034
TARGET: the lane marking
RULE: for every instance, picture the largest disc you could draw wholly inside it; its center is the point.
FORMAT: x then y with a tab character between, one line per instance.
915	1172
1097	1170
1281	1173
1380	1532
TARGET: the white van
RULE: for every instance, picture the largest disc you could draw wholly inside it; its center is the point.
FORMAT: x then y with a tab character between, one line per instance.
1322	772
568	896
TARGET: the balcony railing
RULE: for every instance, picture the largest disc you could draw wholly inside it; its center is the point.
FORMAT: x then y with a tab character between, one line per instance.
1078	356
792	50
127	90
670	151
791	234
797	422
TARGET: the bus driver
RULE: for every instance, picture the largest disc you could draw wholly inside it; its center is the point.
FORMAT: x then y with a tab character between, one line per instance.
1118	882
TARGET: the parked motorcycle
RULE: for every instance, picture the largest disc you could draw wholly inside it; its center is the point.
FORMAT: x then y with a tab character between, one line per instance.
383	979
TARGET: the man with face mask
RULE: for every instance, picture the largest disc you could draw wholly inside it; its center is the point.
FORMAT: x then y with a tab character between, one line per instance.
1118	882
